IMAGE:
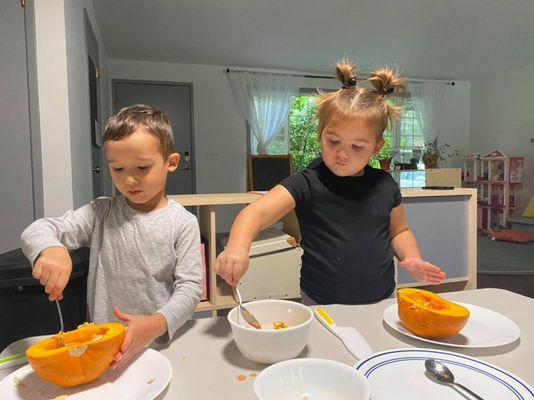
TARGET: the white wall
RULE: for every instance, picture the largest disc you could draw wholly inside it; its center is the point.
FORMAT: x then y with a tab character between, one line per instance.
79	108
51	57
455	126
64	102
503	118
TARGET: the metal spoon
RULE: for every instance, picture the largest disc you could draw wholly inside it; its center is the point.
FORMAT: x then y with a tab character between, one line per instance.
247	315
442	374
60	323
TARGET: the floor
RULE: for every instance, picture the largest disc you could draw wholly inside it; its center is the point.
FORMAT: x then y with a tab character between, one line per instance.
505	265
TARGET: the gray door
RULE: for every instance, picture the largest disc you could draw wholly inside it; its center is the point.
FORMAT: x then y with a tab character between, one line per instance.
94	101
175	101
16	186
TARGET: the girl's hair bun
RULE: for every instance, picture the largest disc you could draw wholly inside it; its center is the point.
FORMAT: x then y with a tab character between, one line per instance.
386	81
346	73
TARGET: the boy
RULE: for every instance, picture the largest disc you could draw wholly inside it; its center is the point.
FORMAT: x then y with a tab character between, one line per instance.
144	247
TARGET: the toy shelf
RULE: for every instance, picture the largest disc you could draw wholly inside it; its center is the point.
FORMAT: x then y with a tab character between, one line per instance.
496	177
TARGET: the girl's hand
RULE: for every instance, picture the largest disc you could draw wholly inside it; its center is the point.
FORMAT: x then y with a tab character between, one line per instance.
231	265
142	330
53	269
423	271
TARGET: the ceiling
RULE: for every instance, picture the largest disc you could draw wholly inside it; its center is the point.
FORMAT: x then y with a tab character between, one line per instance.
435	39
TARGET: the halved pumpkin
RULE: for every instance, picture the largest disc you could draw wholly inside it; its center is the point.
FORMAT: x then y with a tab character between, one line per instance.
428	315
76	357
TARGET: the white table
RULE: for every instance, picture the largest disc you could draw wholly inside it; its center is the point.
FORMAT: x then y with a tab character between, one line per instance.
206	362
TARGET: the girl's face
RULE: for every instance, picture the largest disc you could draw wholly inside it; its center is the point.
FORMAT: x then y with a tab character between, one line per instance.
347	145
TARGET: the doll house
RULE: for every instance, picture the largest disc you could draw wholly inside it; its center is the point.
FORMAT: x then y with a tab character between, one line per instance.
496	177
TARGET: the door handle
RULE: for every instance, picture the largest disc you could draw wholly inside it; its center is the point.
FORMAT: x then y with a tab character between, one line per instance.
187	161
96	169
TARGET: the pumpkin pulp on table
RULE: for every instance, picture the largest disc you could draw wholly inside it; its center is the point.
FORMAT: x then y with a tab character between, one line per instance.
76	357
428	315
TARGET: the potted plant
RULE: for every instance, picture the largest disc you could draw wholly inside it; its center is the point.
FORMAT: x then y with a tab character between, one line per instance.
384	156
435	152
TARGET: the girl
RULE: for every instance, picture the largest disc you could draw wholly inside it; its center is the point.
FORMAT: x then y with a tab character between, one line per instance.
350	215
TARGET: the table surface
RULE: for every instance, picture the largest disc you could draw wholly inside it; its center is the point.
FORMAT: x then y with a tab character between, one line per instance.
206	362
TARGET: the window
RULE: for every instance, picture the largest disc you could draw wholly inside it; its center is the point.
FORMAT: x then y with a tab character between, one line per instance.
409	129
300	137
406	133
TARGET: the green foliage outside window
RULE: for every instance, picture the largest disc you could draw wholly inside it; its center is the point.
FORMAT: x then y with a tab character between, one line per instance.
303	139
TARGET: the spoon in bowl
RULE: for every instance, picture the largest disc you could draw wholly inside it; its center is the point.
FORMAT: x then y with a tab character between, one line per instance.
247	315
442	374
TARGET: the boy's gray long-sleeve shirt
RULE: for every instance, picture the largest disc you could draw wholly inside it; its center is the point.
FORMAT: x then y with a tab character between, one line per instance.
141	262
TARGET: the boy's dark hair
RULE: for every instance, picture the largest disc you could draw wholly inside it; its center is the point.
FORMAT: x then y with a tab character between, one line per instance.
128	119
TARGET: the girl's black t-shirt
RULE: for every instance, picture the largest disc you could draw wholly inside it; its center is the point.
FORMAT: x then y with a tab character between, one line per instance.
344	223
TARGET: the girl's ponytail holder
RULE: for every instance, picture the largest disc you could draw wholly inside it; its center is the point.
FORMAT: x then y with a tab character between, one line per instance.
349	84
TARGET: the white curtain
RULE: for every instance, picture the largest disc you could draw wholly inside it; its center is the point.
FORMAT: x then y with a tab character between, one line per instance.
397	101
264	100
426	99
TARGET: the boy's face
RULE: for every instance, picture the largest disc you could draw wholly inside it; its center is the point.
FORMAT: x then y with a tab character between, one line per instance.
139	170
347	145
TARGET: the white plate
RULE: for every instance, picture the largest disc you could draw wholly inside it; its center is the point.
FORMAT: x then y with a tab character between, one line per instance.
484	328
13	354
400	374
144	379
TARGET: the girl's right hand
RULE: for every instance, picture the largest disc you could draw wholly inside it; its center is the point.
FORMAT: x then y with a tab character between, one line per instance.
231	265
53	269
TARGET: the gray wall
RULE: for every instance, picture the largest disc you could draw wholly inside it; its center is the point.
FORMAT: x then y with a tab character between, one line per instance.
16	178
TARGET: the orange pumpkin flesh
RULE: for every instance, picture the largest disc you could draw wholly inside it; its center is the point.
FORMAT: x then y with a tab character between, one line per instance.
428	315
76	357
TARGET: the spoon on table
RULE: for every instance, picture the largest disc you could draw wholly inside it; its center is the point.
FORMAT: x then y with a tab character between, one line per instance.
442	374
247	315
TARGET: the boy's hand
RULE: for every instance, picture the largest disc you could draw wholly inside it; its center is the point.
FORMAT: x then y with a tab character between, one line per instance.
423	271
231	265
142	330
53	269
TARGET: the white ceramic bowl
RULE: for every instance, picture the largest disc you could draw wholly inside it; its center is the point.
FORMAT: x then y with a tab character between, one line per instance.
311	379
268	345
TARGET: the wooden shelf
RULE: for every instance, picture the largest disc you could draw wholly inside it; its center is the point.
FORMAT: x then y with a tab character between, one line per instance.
205	305
215	199
220	294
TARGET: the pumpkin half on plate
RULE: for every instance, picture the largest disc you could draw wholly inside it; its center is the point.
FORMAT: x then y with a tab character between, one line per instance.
76	357
428	315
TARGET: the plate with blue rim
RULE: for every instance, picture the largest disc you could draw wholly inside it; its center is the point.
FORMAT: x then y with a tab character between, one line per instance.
400	374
